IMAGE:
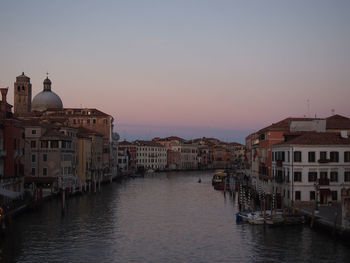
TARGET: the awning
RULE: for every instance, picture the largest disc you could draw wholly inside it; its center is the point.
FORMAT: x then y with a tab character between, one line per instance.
325	191
9	193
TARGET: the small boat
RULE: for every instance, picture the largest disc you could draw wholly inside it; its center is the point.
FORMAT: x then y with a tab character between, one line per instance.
256	219
243	216
199	180
218	177
149	171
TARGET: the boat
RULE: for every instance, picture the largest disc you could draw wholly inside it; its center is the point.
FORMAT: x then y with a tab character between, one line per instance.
256	219
218	177
149	171
243	216
199	180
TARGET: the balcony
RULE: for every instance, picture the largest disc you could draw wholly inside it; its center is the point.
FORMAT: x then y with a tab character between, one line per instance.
324	160
323	181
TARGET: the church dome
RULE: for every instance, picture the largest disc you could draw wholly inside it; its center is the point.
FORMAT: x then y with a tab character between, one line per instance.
46	99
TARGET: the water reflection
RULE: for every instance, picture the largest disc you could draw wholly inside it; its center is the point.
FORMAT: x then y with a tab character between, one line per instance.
167	217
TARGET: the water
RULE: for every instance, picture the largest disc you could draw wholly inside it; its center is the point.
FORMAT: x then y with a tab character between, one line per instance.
166	217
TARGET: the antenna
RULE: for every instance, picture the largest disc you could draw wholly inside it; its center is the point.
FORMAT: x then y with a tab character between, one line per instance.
308	108
333	111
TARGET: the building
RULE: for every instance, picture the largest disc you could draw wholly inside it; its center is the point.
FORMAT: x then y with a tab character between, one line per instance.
50	153
311	166
127	156
11	149
151	155
47	107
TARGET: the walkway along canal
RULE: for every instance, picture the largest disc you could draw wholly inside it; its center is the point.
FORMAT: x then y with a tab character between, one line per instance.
164	217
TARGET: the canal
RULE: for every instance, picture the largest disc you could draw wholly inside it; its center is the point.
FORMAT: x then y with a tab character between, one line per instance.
164	217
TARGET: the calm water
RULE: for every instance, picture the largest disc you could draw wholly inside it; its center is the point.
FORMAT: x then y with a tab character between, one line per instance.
166	217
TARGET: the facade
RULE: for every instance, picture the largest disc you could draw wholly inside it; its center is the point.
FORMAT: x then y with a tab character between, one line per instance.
188	152
311	167
127	158
50	151
11	147
151	155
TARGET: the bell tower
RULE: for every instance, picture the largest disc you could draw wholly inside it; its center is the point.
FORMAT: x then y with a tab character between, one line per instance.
22	95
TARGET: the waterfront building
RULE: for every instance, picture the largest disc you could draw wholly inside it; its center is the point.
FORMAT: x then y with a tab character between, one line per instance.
172	145
90	154
151	155
47	106
311	166
127	158
11	149
50	153
188	154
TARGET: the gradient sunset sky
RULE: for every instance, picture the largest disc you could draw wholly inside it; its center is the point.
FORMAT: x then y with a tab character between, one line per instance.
189	68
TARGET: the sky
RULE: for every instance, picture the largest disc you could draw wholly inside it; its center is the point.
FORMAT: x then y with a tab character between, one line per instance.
188	68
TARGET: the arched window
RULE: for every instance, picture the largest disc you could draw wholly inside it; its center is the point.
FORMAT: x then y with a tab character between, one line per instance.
23	88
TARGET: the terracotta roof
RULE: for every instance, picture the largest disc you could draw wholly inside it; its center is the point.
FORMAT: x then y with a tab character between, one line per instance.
147	143
283	124
317	138
125	143
85	131
170	138
337	122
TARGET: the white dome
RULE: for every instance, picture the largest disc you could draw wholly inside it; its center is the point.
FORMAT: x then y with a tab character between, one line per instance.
46	99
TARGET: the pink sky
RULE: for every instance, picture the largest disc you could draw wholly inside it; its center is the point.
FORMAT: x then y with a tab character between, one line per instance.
225	67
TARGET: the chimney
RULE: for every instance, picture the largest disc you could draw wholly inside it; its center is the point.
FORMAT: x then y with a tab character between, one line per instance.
344	134
4	94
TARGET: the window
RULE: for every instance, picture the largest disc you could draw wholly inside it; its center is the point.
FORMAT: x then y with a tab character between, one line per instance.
33	158
323	175
54	144
44	157
94	121
334	156
44	171
88	121
33	171
297	195
18	88
334	176
323	155
32	144
23	88
312	176
44	144
347	176
311	157
297	156
33	131
74	121
334	195
312	195
297	176
346	157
